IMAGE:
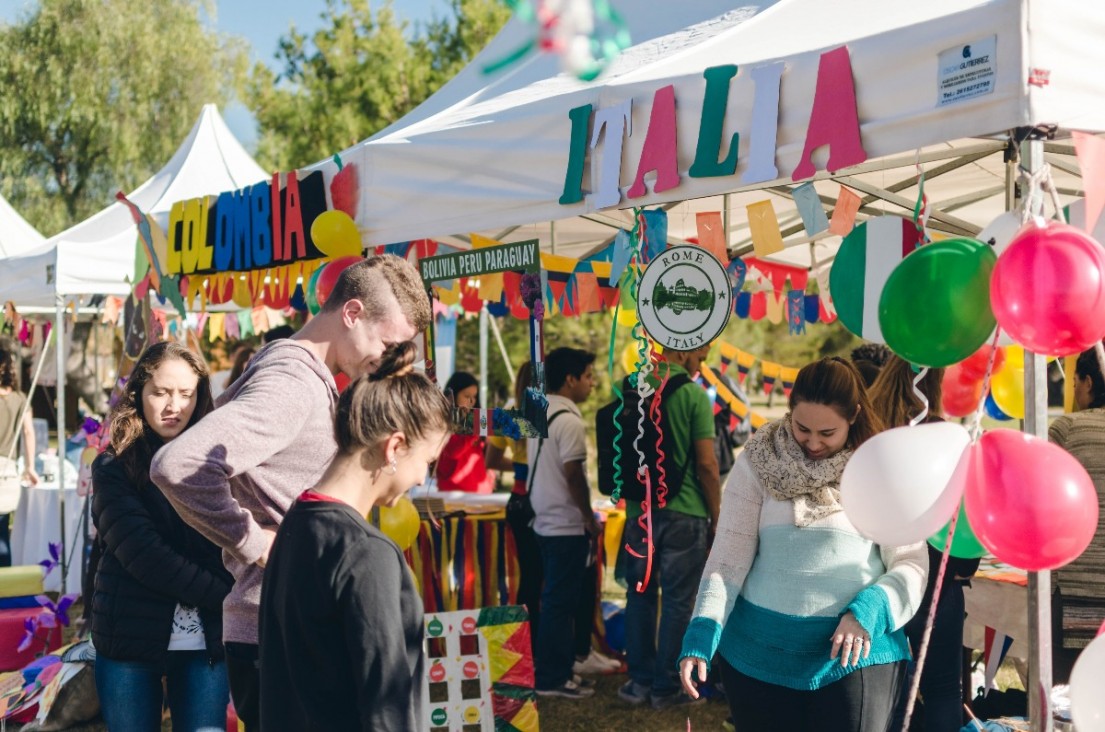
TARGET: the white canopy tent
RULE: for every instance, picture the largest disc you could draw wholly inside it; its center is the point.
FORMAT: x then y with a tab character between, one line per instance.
96	256
16	235
488	153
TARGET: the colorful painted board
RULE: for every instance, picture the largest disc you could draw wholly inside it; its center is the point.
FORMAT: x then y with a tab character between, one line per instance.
685	298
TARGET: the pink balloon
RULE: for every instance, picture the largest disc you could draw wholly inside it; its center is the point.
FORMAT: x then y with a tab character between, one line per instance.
1029	502
1048	289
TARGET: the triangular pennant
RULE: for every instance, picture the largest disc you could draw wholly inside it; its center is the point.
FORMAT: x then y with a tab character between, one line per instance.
590	300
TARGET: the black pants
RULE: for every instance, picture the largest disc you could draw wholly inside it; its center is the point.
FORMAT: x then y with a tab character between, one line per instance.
862	701
531	573
244	673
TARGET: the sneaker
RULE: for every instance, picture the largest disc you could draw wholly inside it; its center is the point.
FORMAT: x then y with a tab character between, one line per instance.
585	683
633	693
671	700
568	690
596	663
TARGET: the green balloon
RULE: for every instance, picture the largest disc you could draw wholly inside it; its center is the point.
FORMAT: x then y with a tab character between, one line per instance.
312	292
965	544
935	308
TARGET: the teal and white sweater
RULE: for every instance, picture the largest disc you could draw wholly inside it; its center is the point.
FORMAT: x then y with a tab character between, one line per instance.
772	593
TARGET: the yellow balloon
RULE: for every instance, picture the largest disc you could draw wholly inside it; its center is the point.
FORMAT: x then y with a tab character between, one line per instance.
629	358
1015	355
627	318
241	296
401	523
1007	388
335	234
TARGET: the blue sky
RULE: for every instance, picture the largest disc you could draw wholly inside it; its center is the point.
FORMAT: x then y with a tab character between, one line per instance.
262	22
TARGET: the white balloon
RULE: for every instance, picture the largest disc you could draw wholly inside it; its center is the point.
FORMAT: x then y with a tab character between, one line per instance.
1087	703
998	233
897	488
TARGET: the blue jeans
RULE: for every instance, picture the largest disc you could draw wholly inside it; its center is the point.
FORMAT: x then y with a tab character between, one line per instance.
678	561
131	695
565	563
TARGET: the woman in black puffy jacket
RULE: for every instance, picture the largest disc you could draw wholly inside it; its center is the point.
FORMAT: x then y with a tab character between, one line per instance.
157	605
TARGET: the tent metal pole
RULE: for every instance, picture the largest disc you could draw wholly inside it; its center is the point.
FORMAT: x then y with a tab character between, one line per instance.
725	219
552	236
1035	423
59	354
484	318
502	350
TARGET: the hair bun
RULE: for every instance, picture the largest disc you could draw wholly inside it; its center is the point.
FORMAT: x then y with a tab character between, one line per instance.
397	360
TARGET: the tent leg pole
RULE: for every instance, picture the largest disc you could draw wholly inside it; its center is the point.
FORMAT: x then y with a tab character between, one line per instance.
1035	423
725	219
552	237
59	354
484	318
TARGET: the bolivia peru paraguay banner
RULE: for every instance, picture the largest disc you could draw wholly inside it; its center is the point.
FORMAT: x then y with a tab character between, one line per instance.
259	227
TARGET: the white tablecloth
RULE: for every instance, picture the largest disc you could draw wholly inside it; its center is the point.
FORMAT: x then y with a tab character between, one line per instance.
36	524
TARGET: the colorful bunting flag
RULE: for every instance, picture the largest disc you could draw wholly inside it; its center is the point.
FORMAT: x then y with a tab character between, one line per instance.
764	228
844	213
810	209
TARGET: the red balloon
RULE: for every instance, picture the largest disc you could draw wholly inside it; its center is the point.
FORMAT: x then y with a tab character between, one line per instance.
329	277
974	366
1048	289
960	393
1029	501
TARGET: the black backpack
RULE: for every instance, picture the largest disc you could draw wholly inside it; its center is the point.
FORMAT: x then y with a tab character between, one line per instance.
606	435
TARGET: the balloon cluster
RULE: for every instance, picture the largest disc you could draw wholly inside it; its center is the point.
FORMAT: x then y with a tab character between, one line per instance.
321	283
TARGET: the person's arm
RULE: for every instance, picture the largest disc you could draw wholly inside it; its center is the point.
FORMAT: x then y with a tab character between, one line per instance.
894	598
371	603
495	458
709	478
133	538
580	493
29	473
194	470
726	568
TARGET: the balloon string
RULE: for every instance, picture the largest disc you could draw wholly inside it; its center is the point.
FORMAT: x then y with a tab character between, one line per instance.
616	493
924	413
654	413
975	425
915	684
645	522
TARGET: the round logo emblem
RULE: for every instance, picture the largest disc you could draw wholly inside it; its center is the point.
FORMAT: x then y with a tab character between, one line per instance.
435	627
684	299
437	673
471	669
468	625
439	716
471	715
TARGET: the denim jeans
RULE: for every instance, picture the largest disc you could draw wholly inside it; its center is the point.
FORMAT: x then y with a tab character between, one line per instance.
131	695
565	563
680	555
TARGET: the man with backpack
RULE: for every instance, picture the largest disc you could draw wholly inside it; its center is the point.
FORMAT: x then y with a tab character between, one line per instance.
680	528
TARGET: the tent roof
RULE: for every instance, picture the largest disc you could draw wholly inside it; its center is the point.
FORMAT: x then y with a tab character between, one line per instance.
16	235
488	153
96	256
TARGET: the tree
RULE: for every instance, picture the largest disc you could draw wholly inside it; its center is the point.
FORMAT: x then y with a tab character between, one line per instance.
362	71
97	94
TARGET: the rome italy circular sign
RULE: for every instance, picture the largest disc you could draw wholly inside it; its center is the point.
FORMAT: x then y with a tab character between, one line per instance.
684	299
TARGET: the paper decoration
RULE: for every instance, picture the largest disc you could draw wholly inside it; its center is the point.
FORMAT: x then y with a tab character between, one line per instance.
776	304
770	372
613	124
813	308
659	151
577	155
245	323
1090	150
479	671
765	124
233	330
590	299
215	326
764	226
344	188
260	320
796	312
623	251
787	376
834	120
712	124
743	305
655	232
711	235
862	265
112	306
684	298
758	309
844	213
810	209
995	645
738	270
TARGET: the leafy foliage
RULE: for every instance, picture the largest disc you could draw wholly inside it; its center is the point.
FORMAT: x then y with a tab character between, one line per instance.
97	95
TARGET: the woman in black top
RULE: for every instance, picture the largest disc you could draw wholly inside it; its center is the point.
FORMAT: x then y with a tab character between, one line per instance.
157	606
341	621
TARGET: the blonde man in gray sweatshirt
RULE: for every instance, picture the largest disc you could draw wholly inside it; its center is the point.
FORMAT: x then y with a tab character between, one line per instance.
236	473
